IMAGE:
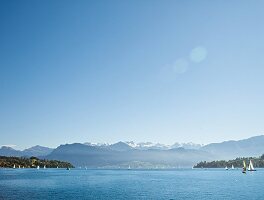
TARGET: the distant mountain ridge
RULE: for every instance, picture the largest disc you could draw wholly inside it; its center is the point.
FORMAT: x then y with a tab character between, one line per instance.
9	151
36	151
150	145
144	154
253	146
121	154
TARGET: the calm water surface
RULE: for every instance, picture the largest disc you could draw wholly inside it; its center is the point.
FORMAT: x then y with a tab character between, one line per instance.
26	184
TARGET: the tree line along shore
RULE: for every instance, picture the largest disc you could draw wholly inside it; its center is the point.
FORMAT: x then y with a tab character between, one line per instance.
237	163
32	162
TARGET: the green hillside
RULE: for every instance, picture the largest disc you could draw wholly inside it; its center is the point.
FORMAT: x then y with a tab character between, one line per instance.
33	162
237	163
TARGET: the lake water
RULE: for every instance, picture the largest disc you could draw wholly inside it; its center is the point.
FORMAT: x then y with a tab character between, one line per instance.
26	184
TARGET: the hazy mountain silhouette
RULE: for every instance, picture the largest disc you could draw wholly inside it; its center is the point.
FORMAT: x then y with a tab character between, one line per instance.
33	151
148	145
37	151
8	151
123	153
253	146
120	146
94	156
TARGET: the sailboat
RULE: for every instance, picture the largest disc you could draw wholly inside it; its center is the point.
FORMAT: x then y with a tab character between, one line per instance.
232	167
129	167
14	166
37	167
19	166
250	166
244	169
226	168
44	167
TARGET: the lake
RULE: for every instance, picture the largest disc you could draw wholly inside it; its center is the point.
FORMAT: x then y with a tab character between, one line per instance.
26	184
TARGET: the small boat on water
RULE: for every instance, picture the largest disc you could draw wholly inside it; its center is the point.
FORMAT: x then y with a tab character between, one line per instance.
244	169
68	168
37	167
226	168
250	166
14	166
44	167
129	167
232	167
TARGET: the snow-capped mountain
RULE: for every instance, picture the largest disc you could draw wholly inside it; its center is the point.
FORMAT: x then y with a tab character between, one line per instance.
188	145
96	144
149	145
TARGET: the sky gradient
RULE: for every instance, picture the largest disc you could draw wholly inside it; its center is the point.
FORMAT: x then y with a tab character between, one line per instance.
108	71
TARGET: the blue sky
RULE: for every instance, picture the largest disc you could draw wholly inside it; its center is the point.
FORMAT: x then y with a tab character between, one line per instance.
105	71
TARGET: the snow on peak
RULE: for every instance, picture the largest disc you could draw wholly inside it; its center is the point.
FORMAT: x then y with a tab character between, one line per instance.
150	145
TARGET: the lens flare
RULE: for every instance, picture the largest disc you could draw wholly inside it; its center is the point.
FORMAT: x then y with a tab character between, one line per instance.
198	54
180	66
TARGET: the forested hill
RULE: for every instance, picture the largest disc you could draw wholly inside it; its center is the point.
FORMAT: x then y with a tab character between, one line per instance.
33	162
237	163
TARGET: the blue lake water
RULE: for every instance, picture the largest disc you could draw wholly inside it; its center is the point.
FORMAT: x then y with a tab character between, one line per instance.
26	184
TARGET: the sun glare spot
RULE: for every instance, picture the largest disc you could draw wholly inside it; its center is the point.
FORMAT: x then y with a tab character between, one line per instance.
198	54
180	66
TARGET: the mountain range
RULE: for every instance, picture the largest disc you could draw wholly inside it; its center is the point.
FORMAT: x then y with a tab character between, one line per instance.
36	151
251	147
150	145
142	155
122	154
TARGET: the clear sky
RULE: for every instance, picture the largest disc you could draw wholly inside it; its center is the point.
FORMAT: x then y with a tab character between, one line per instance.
152	70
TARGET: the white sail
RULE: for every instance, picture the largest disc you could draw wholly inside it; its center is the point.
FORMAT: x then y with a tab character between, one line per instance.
37	167
233	167
14	166
44	167
226	168
251	165
244	167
